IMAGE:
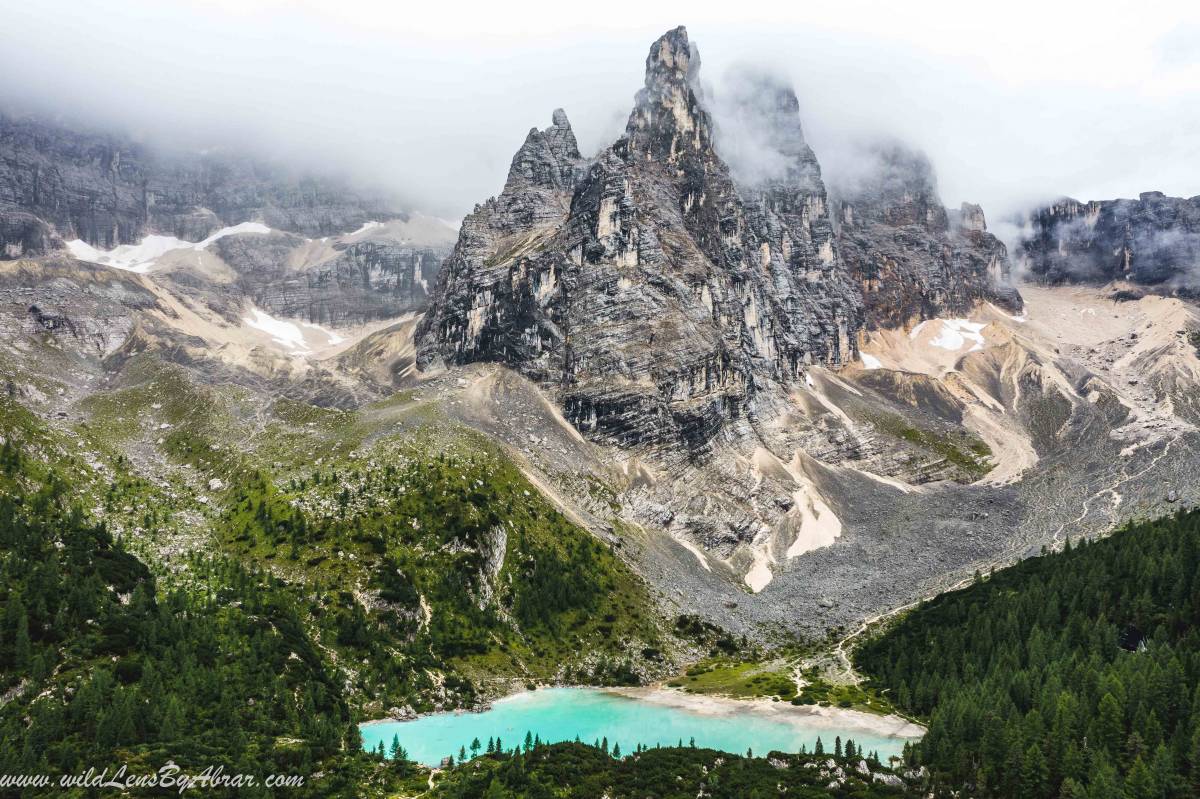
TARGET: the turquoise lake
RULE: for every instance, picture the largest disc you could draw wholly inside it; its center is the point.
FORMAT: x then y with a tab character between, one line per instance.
628	719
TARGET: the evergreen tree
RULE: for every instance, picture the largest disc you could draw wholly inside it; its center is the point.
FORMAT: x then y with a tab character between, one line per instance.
1067	673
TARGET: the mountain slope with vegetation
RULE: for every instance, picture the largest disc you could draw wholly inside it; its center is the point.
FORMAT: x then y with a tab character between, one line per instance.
1074	674
252	608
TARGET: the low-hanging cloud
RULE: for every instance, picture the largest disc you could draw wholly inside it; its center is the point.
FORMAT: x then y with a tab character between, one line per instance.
431	103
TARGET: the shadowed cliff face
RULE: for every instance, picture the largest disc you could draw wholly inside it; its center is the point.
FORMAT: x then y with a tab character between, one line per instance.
664	297
912	258
1152	241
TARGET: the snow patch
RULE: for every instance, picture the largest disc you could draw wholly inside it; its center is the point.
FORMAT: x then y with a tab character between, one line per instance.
760	575
695	550
955	333
285	334
143	256
819	525
870	361
365	227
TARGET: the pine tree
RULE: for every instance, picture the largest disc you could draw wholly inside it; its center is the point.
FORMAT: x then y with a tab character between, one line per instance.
1071	789
1111	724
22	646
1194	758
1140	783
1035	776
172	725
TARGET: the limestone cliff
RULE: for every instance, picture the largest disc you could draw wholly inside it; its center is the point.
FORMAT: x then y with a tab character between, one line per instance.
913	259
1152	241
354	283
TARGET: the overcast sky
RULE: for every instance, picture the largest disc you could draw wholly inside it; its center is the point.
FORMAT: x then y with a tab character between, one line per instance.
1015	102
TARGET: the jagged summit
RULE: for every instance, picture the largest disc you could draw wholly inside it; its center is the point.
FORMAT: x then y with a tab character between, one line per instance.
667	117
665	299
548	157
762	138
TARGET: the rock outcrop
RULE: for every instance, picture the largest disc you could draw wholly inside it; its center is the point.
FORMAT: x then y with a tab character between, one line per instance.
913	259
89	310
1152	241
109	191
24	234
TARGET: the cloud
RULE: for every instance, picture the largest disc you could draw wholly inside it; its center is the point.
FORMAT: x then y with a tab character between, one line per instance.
432	101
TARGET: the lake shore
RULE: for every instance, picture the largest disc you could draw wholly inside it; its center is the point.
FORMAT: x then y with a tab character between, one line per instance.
809	716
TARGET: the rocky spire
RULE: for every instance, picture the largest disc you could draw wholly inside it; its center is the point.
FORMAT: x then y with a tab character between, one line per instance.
667	119
548	158
665	305
542	175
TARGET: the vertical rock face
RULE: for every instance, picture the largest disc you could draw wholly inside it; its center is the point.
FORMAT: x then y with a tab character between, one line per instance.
24	234
912	258
108	191
1153	241
780	182
655	298
362	282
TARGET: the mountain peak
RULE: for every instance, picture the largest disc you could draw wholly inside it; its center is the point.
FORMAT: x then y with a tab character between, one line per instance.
548	157
668	119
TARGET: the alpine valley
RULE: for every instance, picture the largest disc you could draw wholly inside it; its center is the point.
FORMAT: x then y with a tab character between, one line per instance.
282	456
